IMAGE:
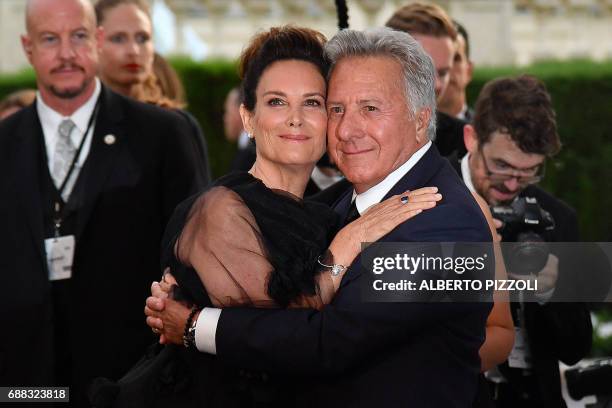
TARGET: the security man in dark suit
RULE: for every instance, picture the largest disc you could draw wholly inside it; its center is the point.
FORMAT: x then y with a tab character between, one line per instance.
89	180
513	132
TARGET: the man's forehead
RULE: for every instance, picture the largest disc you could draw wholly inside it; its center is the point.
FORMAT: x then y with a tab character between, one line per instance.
52	15
376	73
501	146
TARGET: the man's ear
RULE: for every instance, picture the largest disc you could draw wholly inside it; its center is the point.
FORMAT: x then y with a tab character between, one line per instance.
26	44
100	37
247	118
470	70
470	138
422	124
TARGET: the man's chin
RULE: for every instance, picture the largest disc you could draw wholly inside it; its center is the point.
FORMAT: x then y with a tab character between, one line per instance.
68	92
495	197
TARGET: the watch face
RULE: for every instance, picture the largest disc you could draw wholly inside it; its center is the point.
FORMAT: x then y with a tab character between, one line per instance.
337	270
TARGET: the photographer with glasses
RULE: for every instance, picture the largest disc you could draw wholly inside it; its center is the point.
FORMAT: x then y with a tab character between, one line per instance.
513	133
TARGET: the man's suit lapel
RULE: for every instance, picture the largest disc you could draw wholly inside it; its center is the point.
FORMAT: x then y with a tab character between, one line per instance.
417	177
341	206
420	174
29	159
108	140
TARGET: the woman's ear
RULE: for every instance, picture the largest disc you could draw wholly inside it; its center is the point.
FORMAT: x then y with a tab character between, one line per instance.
422	124
470	139
247	118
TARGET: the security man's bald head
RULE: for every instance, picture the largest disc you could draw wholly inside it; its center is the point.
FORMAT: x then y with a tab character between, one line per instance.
36	8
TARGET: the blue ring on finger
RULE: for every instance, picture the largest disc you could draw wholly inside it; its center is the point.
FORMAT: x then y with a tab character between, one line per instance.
404	199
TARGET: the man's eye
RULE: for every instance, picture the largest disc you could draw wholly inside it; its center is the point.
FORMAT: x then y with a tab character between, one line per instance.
117	38
335	109
276	102
80	36
501	165
49	39
370	108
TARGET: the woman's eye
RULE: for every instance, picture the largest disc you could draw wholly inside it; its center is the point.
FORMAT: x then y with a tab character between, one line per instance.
312	102
276	102
142	38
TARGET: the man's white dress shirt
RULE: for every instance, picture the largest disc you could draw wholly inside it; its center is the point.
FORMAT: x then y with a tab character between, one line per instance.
50	121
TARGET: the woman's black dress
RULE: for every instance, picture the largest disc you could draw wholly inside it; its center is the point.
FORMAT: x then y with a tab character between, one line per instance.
262	244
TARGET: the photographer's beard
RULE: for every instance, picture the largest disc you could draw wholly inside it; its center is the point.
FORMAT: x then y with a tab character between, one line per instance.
499	194
494	193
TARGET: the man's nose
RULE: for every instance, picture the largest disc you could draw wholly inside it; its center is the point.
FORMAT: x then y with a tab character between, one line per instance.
512	184
67	50
349	127
438	85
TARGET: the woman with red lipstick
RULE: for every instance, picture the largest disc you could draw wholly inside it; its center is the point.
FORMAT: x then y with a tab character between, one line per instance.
127	55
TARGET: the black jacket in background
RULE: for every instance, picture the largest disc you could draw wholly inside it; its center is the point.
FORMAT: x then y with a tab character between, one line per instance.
122	200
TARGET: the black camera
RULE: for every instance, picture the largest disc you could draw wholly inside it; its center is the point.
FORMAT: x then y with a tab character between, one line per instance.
592	379
525	224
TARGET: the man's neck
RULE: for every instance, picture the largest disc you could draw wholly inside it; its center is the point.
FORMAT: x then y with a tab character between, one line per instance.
454	107
67	106
363	187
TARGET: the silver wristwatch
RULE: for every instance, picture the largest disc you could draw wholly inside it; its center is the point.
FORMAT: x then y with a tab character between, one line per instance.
335	269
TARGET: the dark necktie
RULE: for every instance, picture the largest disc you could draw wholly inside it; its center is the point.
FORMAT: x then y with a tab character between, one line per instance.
352	214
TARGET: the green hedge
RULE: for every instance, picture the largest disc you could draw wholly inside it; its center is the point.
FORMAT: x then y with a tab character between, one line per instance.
582	94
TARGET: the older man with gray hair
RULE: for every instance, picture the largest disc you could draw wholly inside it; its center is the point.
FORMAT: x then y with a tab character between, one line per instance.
354	353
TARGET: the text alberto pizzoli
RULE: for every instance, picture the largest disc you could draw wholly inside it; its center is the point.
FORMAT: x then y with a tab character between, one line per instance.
458	265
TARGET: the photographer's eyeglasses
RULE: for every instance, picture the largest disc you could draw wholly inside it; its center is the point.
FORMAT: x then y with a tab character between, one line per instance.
500	172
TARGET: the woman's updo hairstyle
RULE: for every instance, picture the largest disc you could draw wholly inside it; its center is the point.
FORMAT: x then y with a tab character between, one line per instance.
102	6
279	43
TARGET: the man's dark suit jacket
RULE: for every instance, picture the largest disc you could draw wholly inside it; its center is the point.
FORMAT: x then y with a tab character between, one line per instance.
358	354
556	331
125	193
449	134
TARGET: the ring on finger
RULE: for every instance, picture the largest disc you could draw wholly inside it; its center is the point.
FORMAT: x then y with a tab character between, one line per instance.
404	199
155	330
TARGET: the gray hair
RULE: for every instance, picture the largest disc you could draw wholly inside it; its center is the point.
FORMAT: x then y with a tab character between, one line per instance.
417	66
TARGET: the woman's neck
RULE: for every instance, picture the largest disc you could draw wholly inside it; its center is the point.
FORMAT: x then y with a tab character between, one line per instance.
130	90
292	179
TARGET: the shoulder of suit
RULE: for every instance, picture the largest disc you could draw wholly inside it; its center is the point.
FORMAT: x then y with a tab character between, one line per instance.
152	113
9	124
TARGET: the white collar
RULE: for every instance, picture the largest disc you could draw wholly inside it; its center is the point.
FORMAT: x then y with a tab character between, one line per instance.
51	119
375	194
465	172
463	114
